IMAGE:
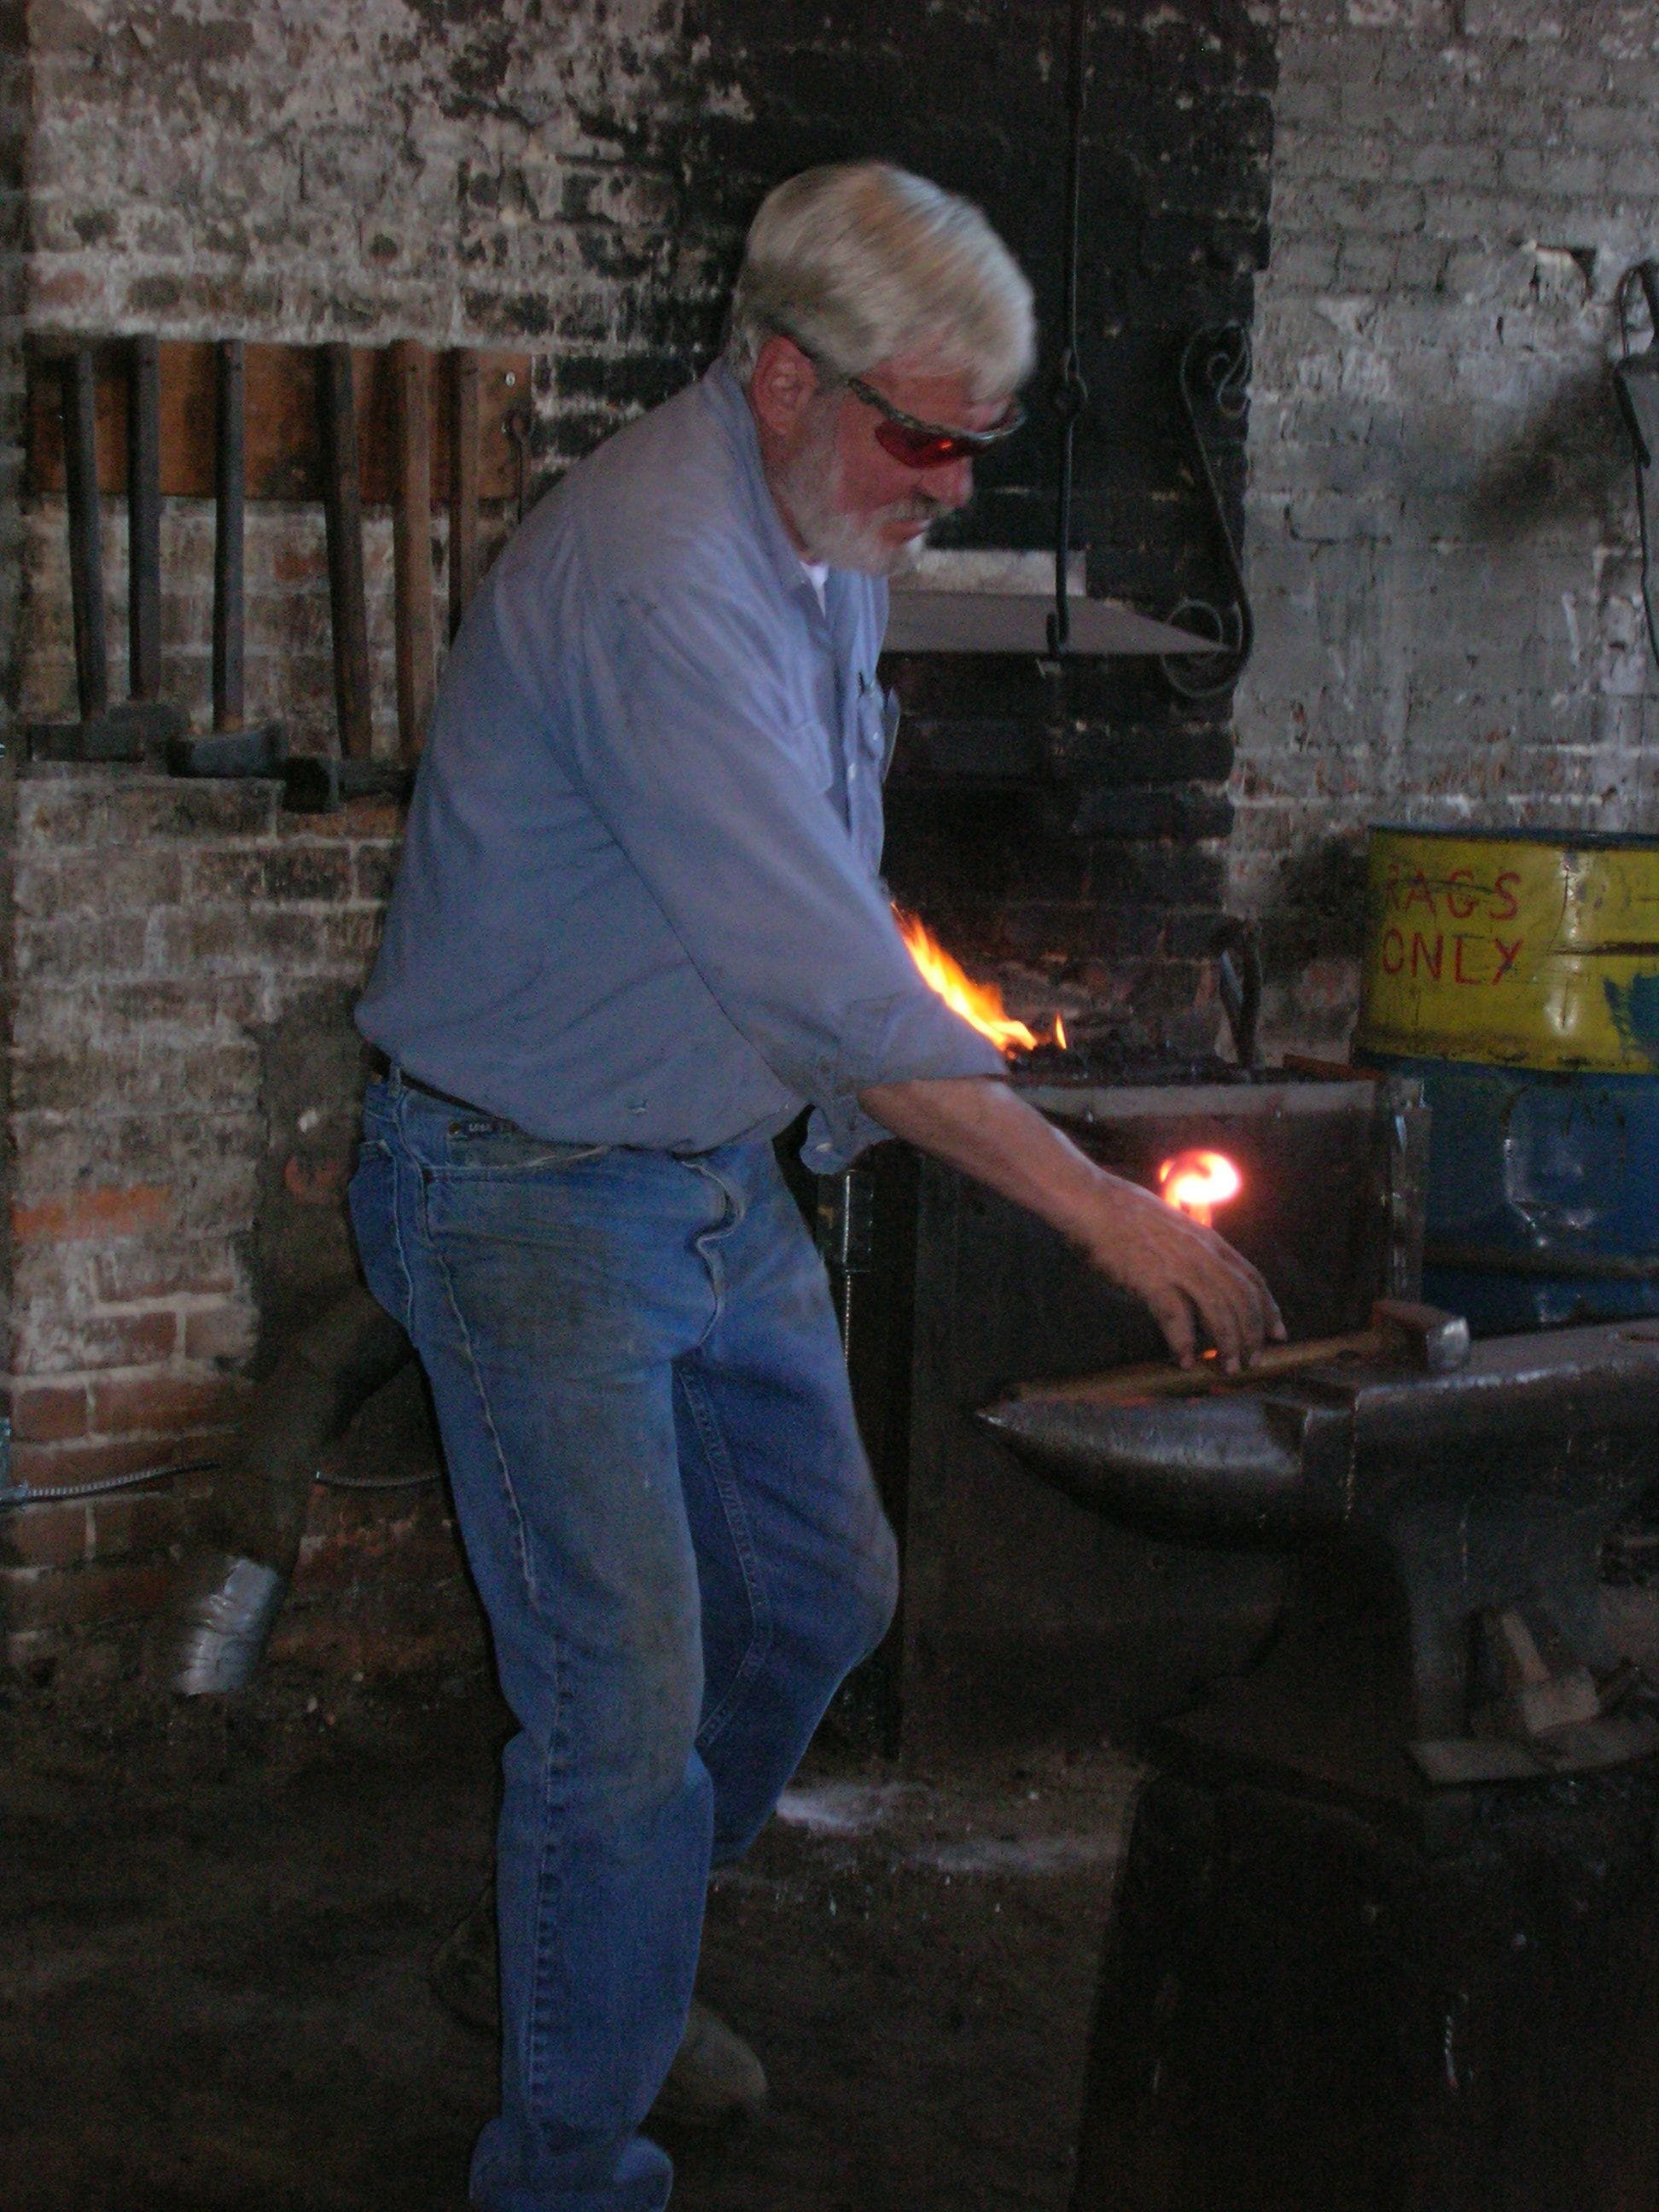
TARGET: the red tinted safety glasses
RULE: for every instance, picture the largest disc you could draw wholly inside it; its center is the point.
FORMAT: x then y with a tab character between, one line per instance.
918	445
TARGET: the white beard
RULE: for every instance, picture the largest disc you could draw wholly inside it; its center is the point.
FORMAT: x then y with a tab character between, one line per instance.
809	489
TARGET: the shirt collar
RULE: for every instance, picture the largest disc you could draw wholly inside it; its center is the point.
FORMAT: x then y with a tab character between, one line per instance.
730	403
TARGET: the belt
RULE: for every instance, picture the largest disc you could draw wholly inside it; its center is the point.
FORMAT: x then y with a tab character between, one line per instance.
387	1070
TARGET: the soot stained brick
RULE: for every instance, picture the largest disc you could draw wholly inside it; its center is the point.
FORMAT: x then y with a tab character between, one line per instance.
1440	513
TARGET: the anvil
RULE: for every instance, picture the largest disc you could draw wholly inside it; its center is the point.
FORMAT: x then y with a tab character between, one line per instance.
1446	1625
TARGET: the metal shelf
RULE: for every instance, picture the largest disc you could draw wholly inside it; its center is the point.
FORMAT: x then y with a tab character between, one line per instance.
1017	622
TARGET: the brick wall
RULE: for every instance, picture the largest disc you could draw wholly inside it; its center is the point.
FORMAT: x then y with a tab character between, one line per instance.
182	1094
1442	524
583	186
577	182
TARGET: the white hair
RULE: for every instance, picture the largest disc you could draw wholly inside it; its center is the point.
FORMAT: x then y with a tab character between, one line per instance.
859	262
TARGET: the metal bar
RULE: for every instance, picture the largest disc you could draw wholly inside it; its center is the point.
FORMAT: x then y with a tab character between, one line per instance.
343	509
1267	1098
464	485
144	521
86	534
1125	1385
1014	622
1562	1266
1071	393
411	541
230	460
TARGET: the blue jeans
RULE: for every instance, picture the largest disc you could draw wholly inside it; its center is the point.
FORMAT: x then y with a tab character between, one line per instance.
674	1531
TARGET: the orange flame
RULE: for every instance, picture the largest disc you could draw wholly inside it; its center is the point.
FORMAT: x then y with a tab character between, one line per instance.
1196	1182
978	1003
1059	1033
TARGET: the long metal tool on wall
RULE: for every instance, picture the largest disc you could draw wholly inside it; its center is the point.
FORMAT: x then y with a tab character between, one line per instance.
1636	380
1071	394
235	421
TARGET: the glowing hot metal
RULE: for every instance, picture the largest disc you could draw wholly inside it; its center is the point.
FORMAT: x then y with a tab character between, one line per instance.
1196	1182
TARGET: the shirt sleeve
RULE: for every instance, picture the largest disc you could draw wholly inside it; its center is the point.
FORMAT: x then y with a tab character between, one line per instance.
682	742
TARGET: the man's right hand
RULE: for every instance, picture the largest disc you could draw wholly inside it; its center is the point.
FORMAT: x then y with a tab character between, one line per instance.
1191	1278
1181	1270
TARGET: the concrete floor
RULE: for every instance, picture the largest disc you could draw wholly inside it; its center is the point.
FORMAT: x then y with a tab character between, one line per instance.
213	1990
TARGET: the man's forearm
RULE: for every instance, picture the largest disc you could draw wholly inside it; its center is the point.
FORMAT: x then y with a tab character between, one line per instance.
1182	1272
984	1127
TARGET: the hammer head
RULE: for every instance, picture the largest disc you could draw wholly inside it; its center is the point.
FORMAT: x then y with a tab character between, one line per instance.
1423	1337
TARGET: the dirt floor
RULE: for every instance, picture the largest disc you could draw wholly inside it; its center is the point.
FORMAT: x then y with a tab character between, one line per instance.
212	1992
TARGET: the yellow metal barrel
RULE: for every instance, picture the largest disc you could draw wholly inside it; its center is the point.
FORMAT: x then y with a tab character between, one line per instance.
1518	949
1516	976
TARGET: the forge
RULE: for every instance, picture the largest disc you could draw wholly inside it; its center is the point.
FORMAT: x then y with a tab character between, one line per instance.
1024	1613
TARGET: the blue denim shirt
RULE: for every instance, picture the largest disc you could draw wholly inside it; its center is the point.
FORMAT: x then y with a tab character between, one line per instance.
639	901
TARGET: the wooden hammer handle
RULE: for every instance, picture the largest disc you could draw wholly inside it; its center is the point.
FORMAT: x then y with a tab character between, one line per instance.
414	640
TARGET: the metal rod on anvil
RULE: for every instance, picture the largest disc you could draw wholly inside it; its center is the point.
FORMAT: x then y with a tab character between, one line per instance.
1418	1336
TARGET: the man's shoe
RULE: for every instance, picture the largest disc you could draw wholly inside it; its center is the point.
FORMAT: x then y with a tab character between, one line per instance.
463	1973
716	2077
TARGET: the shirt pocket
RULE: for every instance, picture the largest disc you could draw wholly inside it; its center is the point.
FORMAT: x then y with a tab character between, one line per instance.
808	742
878	725
891	715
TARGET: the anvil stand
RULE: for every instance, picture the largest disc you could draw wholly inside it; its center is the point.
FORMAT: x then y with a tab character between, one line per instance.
1387	1938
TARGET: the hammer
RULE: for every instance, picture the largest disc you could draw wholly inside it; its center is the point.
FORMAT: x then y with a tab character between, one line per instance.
319	783
104	732
1402	1335
233	748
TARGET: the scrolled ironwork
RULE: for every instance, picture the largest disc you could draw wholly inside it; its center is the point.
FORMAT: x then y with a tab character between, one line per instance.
1215	363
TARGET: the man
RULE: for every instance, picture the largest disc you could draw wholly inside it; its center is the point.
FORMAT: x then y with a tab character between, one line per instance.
638	924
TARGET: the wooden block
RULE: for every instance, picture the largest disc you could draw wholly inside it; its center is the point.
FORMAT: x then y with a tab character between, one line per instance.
284	460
